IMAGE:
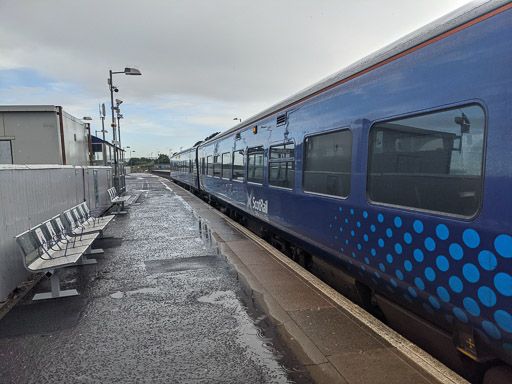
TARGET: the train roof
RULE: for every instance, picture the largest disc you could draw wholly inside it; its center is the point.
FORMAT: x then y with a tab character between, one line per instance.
449	22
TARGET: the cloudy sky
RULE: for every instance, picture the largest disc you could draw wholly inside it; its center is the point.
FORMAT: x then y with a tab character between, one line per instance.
203	62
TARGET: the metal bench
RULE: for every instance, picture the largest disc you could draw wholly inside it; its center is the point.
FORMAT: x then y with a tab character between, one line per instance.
46	249
88	223
117	200
76	223
87	214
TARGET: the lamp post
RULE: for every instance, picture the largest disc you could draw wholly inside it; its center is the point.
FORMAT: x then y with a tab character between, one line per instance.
127	71
119	116
103	148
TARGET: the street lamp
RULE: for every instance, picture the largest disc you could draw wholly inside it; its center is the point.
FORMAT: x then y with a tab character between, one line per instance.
119	116
237	118
103	147
127	71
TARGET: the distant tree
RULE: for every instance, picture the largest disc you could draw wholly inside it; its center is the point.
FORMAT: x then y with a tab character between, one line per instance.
139	161
162	159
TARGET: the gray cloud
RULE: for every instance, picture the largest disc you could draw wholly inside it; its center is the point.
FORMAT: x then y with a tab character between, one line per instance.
203	61
222	49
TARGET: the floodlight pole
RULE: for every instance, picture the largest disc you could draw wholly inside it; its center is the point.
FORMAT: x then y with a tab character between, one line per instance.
102	117
127	71
113	124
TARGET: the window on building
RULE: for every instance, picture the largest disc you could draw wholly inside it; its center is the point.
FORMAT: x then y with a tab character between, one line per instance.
216	166
5	152
431	162
209	165
238	165
327	163
226	165
281	166
255	165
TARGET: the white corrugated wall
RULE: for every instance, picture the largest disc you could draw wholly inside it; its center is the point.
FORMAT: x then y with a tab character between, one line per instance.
31	194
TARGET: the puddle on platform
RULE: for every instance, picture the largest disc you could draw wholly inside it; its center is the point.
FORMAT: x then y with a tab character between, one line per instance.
120	295
255	330
179	265
250	335
117	295
143	290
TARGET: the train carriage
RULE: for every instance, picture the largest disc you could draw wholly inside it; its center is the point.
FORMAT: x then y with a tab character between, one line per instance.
396	173
184	168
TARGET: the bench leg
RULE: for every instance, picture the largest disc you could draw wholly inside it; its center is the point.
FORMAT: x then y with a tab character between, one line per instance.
85	261
97	251
102	236
120	209
55	289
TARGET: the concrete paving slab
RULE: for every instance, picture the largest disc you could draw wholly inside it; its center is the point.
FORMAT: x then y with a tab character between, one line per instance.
326	374
244	245
335	333
300	299
255	257
230	236
291	292
301	345
377	366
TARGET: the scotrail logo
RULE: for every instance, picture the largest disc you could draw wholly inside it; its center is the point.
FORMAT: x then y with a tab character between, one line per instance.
258	205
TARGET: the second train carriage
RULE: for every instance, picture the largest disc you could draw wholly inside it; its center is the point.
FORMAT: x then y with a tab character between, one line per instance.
396	172
183	167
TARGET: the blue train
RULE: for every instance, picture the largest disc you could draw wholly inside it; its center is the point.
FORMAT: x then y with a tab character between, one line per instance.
392	177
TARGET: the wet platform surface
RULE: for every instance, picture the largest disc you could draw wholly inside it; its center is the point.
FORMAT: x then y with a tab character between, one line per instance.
182	295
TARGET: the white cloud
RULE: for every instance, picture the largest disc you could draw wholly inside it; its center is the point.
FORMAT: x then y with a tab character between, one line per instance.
203	62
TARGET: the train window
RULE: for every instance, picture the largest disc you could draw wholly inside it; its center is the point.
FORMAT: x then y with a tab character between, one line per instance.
238	165
255	165
327	163
226	165
431	162
216	166
203	167
281	166
209	165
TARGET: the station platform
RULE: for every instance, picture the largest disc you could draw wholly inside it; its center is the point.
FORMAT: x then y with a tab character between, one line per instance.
185	295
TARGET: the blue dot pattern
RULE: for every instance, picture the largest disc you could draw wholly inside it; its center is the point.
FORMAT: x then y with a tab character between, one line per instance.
441	270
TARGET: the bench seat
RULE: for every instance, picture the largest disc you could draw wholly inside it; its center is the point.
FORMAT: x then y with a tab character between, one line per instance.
117	200
65	240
